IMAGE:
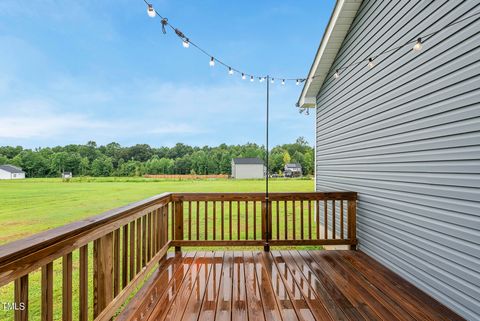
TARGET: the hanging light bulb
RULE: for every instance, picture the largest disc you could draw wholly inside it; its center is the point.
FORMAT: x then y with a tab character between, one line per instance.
371	64
230	71
251	78
272	81
261	79
243	76
418	45
186	43
307	112
212	62
336	74
283	81
150	11
297	82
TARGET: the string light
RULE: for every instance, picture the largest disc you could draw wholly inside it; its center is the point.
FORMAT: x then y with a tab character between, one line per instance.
150	11
371	64
186	43
418	45
272	81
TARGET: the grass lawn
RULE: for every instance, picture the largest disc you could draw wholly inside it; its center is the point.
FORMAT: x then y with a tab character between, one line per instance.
34	205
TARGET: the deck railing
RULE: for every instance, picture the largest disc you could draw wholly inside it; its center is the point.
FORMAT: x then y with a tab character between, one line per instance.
114	252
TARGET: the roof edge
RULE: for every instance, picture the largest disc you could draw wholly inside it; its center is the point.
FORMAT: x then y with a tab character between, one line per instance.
333	36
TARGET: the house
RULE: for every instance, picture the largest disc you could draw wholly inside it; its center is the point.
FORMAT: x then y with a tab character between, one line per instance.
403	130
67	175
292	170
248	168
11	172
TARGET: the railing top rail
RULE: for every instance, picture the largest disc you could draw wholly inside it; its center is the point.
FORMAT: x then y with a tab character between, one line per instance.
275	196
18	249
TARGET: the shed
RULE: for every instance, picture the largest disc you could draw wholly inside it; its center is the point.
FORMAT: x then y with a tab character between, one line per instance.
67	175
292	170
403	130
248	168
11	172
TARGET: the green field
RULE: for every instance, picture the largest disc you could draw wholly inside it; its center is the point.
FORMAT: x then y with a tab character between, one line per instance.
34	205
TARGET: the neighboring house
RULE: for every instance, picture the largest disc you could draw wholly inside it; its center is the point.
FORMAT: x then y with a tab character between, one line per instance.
67	175
248	168
405	135
11	172
292	170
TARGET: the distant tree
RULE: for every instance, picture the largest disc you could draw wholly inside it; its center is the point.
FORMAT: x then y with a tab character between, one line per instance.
102	166
286	158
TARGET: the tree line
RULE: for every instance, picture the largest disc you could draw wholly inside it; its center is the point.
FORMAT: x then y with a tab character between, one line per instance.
115	160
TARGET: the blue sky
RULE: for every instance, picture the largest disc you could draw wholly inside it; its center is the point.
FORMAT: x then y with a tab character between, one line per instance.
74	71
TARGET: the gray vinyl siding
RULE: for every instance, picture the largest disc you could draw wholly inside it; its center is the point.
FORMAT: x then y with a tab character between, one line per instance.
406	136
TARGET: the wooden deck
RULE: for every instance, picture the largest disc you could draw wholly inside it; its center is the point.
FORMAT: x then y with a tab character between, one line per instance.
280	285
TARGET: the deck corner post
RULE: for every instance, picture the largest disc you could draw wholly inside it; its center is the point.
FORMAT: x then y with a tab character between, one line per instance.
352	223
178	223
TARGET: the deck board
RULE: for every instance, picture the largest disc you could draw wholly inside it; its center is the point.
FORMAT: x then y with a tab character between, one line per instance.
280	285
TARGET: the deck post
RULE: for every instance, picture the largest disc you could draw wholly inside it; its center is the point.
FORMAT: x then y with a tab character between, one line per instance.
102	273
266	224
178	223
352	222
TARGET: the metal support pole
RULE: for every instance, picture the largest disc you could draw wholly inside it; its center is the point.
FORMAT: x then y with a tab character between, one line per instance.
266	247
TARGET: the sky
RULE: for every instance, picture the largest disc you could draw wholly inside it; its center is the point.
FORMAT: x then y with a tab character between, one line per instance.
75	71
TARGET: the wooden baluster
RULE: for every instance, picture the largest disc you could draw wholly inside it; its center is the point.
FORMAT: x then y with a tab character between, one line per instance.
309	220
132	250
285	218
139	244
154	232
246	220
67	287
160	230
294	221
189	220
116	262
352	222
21	297
278	219
341	219
325	219
238	220
206	220
230	220
144	240
264	220
317	207
254	220
198	221
333	219
149	237
125	256
83	284
214	219
223	220
301	220
178	223
47	292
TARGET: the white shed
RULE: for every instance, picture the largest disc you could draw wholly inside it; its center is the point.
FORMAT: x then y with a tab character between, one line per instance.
11	172
248	168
